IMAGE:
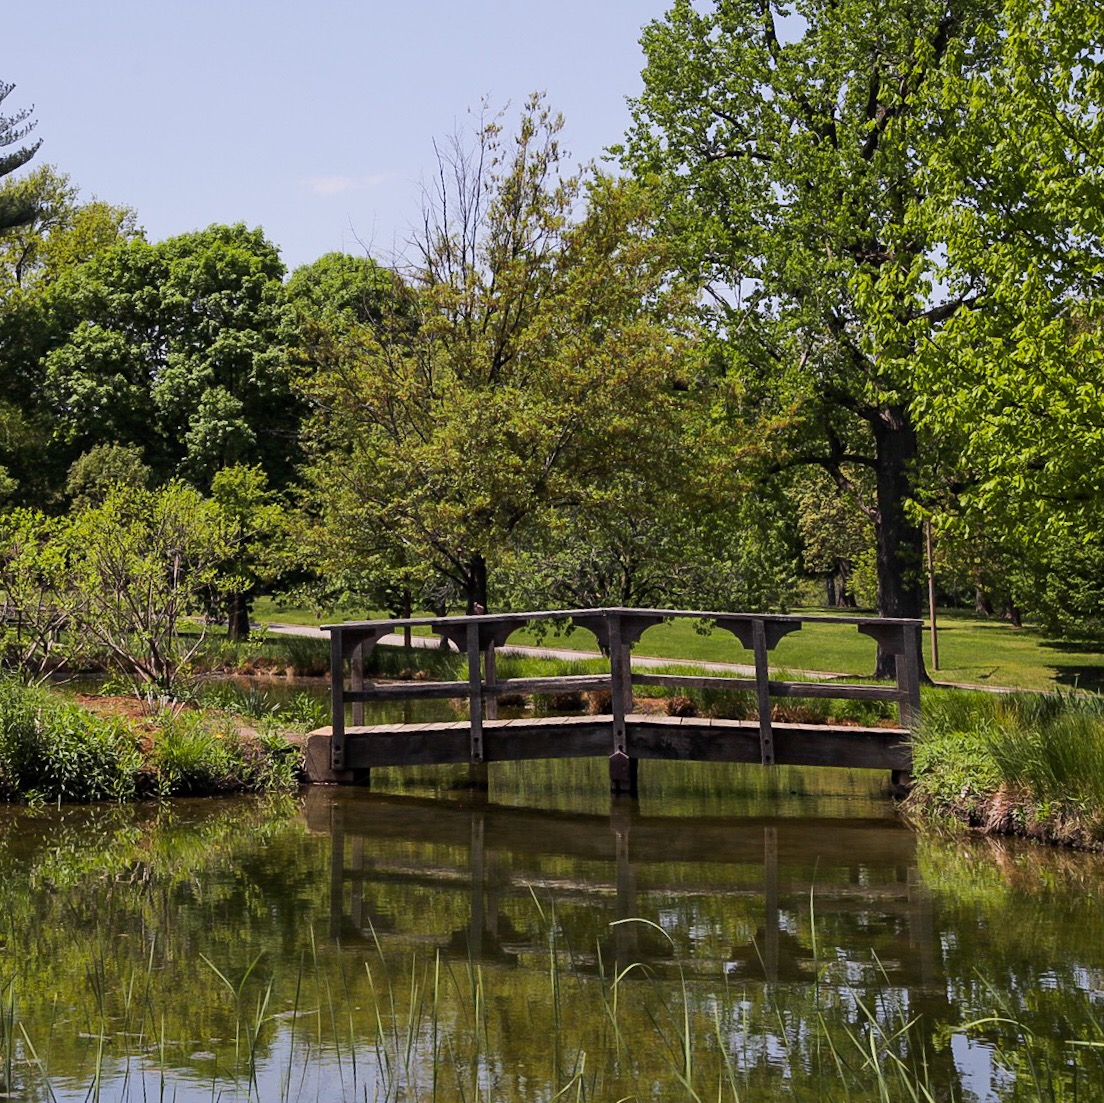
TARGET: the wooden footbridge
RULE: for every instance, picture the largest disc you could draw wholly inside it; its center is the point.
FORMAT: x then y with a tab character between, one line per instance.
348	752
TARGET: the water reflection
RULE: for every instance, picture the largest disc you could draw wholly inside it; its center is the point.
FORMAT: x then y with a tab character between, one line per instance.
374	945
713	896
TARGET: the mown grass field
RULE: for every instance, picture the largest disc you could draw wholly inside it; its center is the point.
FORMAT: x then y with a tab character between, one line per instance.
973	650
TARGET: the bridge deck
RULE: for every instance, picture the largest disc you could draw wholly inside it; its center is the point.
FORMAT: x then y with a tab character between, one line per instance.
646	736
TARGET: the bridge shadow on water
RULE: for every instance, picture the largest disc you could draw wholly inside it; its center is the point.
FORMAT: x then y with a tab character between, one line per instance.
704	895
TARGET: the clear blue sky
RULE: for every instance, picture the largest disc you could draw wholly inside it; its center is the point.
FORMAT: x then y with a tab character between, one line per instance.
315	121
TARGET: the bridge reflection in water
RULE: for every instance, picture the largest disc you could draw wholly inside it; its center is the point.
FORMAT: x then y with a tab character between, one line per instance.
735	896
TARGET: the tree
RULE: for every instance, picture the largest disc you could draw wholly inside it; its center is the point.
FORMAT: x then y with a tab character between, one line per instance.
525	365
100	470
38	601
1017	381
795	162
342	291
139	564
254	522
177	348
14	211
836	534
61	233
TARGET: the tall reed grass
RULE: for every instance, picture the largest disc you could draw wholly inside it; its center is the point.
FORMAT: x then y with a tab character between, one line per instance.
429	1026
1033	762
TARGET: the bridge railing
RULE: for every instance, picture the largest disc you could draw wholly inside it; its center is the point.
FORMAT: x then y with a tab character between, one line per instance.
617	630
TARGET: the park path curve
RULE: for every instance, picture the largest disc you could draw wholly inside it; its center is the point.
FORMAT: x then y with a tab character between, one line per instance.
645	662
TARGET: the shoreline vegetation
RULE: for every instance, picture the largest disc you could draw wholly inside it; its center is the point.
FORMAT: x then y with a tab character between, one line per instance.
1021	764
1016	763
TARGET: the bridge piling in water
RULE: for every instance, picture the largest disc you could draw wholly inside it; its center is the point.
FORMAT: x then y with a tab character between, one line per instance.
347	752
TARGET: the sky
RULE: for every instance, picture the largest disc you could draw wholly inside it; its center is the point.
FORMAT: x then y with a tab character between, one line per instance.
314	121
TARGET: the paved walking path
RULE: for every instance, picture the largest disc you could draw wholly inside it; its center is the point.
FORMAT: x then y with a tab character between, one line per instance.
646	662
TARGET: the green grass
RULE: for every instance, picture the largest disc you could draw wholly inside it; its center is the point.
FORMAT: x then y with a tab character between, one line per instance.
973	650
1022	763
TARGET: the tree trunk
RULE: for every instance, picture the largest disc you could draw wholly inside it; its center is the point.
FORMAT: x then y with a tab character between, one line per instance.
982	605
900	541
407	613
830	591
1012	613
477	585
237	617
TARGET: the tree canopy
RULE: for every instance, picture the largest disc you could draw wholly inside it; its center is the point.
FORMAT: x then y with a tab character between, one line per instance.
528	362
817	172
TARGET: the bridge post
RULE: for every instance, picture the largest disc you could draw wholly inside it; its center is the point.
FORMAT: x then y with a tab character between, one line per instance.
623	770
475	691
337	699
761	635
762	691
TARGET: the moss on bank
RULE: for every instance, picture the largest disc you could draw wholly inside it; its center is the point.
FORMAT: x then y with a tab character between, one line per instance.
1023	764
52	749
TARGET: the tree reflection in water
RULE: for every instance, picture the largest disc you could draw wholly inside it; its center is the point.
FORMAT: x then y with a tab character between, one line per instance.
385	946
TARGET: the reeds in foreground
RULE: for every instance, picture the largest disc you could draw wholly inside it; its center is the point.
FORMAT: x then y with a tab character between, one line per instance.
430	1027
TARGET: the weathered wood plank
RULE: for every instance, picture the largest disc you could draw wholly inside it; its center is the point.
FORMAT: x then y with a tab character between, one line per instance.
426	748
566	684
844	691
549	741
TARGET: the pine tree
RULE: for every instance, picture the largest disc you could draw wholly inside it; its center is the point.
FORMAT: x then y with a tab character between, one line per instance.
15	208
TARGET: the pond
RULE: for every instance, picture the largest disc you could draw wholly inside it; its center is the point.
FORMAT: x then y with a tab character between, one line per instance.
737	934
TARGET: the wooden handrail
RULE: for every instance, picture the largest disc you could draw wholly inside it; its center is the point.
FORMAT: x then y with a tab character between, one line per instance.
617	630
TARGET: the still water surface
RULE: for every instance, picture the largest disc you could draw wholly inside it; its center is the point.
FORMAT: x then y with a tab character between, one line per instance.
737	934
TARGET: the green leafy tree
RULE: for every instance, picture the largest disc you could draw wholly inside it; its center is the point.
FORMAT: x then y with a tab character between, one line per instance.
795	163
62	232
340	290
141	563
1016	383
256	529
100	470
14	210
38	604
837	536
176	348
530	365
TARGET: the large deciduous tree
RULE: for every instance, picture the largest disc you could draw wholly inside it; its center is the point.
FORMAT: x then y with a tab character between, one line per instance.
523	366
177	348
1017	380
794	152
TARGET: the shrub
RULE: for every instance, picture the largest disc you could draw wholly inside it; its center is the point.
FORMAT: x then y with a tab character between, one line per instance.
195	754
53	750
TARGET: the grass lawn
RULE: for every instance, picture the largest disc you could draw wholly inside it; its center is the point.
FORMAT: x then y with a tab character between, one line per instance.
972	650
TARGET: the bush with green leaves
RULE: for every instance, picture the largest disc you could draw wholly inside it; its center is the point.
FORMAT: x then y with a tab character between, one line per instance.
197	754
54	750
